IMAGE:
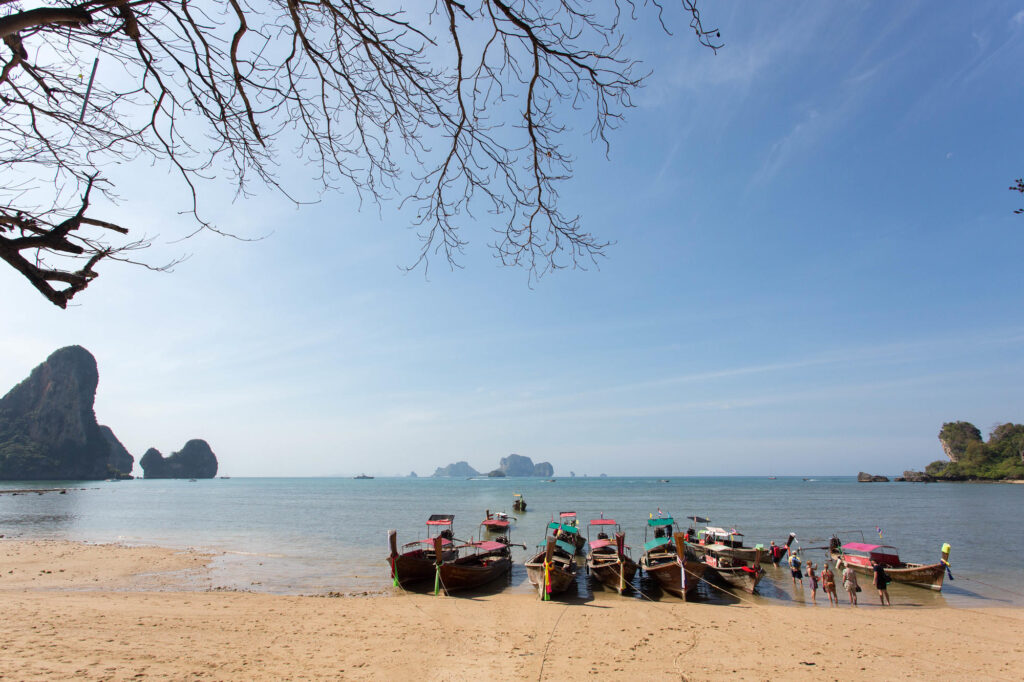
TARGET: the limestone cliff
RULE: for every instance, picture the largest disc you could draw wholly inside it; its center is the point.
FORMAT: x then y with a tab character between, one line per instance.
459	469
518	465
195	460
48	428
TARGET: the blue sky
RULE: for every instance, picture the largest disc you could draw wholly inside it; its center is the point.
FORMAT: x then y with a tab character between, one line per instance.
816	264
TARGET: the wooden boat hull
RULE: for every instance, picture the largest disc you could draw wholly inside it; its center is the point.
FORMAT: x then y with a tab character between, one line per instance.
418	566
736	576
519	506
669	578
471	572
562	575
607	571
928	576
747	555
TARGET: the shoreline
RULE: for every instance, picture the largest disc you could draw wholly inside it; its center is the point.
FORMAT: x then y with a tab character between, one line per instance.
121	612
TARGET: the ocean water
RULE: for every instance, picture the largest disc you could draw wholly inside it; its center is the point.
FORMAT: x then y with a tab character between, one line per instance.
318	535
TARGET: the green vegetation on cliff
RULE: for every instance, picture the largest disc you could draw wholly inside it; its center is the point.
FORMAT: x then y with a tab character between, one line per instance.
969	456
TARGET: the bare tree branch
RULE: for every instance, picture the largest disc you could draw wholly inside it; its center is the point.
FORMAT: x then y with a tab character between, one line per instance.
470	100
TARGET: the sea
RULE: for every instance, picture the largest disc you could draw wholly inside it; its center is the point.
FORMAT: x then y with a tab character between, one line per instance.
329	535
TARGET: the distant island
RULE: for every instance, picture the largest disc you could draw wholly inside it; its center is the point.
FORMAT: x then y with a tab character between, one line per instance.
512	466
195	460
48	430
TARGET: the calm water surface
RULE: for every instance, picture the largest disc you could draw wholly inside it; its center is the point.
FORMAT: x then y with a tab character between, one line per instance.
315	535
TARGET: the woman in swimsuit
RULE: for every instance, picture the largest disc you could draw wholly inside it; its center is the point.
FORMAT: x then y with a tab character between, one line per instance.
828	584
814	581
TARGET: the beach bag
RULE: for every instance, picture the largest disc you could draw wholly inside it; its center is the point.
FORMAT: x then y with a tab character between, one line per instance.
858	589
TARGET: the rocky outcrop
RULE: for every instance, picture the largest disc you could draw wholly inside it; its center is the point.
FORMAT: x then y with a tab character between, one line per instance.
868	478
518	465
48	428
915	477
412	474
497	473
460	469
120	460
543	470
195	460
956	437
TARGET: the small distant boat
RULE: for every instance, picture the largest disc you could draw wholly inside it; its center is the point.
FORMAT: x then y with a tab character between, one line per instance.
553	569
663	480
518	502
191	480
225	477
496	522
772	478
859	555
551	480
608	560
362	477
662	560
417	560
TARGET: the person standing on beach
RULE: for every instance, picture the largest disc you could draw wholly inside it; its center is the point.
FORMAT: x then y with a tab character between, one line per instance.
850	583
794	569
828	584
813	579
881	579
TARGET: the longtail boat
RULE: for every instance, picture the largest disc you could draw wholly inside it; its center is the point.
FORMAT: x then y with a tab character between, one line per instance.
553	569
728	561
666	559
567	529
417	560
496	522
725	543
608	560
486	562
858	556
518	502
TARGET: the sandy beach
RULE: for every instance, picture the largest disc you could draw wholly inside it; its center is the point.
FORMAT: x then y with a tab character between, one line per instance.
112	612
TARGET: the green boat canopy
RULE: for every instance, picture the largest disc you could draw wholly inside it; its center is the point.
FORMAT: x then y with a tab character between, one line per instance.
656	542
566	547
662	521
555	525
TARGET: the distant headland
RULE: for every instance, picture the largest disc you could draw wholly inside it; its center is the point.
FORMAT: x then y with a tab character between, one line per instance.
969	458
48	429
512	466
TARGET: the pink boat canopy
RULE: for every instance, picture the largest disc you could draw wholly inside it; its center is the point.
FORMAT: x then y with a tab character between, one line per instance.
430	541
861	547
490	545
598	544
496	523
440	520
603	522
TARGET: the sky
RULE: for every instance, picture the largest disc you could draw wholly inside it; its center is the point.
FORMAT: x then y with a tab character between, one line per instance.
815	264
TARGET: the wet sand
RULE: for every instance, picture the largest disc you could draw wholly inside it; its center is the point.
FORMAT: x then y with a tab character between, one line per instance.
111	612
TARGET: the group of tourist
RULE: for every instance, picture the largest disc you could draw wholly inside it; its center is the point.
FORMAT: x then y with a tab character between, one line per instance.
880	579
